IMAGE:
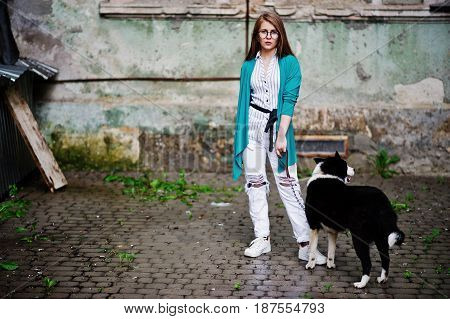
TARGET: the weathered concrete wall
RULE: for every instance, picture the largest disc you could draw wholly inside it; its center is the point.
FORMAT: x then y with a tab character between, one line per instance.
116	101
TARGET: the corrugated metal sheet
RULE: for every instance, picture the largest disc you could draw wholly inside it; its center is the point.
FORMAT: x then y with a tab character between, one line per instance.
16	162
43	70
13	72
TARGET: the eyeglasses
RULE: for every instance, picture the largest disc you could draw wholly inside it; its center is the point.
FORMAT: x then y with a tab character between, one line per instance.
264	33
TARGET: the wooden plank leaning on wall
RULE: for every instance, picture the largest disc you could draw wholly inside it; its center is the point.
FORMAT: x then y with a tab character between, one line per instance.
36	143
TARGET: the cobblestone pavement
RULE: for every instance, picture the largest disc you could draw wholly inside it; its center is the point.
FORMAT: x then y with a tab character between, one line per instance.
176	257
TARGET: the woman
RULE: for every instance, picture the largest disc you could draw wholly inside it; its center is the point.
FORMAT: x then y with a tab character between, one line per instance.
269	87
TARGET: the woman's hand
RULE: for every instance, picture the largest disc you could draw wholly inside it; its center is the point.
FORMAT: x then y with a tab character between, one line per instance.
280	144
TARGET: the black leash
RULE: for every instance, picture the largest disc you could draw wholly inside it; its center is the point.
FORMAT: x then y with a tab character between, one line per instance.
287	164
301	203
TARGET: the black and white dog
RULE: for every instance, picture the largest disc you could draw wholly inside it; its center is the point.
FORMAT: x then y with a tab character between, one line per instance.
364	210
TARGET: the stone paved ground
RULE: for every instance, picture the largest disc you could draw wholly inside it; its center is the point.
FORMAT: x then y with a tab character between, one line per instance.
203	257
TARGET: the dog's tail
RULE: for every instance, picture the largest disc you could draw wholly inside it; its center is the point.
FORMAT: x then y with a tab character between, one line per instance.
396	238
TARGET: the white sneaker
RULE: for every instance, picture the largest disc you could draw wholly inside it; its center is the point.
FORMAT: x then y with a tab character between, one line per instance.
303	254
258	246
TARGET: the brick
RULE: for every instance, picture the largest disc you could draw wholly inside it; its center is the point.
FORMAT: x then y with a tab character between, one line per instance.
175	292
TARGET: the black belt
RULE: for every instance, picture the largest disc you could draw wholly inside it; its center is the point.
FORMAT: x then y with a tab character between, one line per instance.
269	126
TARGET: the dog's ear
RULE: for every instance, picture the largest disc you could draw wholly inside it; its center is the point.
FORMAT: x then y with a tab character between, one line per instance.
337	155
318	160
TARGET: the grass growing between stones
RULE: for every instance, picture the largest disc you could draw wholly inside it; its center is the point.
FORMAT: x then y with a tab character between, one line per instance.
327	287
403	207
439	269
14	207
306	295
429	239
33	234
407	274
49	284
126	257
399	207
161	189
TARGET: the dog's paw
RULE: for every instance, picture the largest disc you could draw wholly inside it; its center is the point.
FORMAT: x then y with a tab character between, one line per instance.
381	280
364	280
311	264
359	284
331	264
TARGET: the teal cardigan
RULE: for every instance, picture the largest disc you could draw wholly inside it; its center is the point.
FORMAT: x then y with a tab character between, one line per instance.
290	81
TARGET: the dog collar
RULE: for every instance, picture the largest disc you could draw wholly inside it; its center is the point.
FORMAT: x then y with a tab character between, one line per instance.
318	176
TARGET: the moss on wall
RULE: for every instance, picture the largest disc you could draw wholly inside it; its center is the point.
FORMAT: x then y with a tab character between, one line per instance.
105	151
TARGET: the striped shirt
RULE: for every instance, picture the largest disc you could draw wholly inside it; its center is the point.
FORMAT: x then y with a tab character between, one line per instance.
264	93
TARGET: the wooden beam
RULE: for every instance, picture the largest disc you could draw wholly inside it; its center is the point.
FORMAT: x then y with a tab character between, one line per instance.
326	145
28	127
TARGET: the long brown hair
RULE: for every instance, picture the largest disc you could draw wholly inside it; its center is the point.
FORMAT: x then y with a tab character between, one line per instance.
283	47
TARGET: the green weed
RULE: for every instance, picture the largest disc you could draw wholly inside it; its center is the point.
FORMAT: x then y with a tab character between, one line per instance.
161	189
399	207
439	269
20	229
229	192
34	235
14	207
8	265
307	295
429	239
327	287
237	188
49	283
237	285
407	274
403	207
409	197
381	162
124	256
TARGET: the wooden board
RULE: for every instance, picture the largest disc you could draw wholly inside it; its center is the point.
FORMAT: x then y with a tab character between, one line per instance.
321	145
36	143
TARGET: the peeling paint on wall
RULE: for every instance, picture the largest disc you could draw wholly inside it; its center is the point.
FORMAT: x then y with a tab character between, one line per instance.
425	92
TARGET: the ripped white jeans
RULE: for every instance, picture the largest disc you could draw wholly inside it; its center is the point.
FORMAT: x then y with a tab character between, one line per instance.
257	188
